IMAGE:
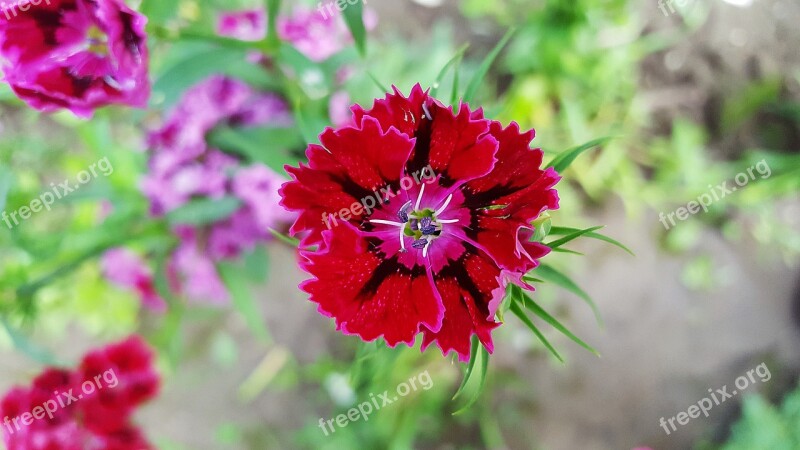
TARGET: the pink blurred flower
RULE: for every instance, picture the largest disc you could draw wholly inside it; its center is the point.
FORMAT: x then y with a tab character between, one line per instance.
316	36
339	109
184	167
258	187
196	274
127	270
247	25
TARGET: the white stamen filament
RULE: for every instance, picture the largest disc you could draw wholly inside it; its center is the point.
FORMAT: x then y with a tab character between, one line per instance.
446	203
425	249
419	197
448	220
427	112
402	241
388	222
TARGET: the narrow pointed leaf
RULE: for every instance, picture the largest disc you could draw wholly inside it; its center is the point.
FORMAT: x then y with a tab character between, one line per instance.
456	82
454	61
377	82
515	308
565	158
273	9
238	286
549	274
570	237
601	237
354	17
473	356
567	251
481	383
294	242
544	315
477	79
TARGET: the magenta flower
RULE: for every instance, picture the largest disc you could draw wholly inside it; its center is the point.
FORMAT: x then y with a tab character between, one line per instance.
339	109
193	273
247	25
74	54
314	33
184	167
128	270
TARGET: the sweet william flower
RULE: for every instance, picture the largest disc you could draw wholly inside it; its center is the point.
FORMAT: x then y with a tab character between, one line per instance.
128	270
79	416
184	167
435	258
74	54
245	25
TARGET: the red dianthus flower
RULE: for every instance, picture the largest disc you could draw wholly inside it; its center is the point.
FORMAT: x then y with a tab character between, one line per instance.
436	255
85	409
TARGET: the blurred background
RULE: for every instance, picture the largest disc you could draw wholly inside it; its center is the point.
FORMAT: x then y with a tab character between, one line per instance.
684	95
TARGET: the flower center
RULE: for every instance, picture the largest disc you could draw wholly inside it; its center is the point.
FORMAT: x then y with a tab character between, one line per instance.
423	225
97	41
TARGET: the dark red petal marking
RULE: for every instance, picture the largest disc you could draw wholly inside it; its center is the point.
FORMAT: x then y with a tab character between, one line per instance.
356	163
467	287
30	35
368	295
518	191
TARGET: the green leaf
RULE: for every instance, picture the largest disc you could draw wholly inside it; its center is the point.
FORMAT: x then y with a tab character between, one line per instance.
377	82
270	146
238	286
527	321
473	353
484	369
273	9
551	275
294	242
541	227
204	211
354	17
571	237
539	311
454	94
601	237
28	348
158	11
477	79
567	251
256	264
454	61
565	158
